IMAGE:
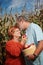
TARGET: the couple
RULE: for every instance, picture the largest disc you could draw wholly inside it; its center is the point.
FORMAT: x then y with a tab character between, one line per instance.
34	35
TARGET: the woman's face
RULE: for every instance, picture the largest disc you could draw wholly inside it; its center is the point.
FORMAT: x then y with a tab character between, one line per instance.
16	32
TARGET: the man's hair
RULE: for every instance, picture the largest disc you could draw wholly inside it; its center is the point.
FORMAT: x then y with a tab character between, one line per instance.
20	18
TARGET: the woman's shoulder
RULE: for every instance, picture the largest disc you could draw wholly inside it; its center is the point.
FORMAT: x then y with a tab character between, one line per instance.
12	41
9	42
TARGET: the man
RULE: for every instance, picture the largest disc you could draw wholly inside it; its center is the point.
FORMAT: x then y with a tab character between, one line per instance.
35	35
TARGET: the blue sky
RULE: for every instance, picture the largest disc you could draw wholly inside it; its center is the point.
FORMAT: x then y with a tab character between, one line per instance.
17	5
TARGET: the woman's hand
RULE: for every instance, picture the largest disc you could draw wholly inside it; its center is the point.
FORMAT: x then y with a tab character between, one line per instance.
24	38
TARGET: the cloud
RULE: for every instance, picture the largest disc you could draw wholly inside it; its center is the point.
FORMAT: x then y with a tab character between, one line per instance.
41	2
16	3
20	3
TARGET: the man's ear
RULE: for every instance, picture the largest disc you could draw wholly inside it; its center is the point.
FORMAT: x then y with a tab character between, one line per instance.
21	22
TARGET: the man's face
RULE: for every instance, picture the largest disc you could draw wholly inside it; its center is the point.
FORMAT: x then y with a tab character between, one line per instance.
21	25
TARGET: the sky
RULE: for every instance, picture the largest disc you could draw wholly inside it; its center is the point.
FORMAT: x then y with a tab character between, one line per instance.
17	5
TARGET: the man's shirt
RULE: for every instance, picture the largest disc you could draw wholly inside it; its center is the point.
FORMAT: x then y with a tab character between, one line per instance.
34	34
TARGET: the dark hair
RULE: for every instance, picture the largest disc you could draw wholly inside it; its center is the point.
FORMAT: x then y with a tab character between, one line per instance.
2	37
20	18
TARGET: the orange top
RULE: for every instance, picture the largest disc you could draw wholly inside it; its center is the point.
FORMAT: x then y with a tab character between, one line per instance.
14	53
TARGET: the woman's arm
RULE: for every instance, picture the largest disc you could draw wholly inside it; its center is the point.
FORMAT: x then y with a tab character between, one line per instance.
14	48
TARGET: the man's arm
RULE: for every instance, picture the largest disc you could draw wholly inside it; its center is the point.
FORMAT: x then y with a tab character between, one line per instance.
38	50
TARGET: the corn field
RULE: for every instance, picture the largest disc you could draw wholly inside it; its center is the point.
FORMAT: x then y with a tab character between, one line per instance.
8	21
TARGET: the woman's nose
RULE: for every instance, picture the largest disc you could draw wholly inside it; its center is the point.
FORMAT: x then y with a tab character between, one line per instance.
19	31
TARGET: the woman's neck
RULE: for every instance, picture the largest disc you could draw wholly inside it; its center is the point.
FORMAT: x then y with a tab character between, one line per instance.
15	39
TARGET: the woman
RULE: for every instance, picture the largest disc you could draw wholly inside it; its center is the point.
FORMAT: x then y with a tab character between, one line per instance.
14	48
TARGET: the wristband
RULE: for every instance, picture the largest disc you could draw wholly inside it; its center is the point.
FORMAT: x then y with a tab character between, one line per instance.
35	56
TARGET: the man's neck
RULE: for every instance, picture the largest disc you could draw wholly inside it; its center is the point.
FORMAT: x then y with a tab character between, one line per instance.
28	24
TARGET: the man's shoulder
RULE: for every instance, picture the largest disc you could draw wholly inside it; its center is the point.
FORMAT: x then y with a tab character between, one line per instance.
35	26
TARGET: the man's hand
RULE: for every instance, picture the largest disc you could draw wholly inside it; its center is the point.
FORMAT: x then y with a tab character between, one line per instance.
31	57
38	50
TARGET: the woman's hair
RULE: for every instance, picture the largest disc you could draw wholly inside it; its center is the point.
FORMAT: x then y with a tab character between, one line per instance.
11	30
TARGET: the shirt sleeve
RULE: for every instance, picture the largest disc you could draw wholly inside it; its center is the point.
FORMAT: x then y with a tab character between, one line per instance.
39	33
14	48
